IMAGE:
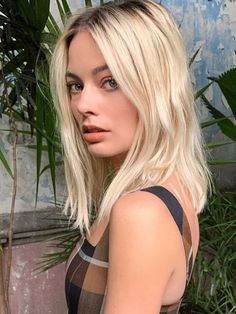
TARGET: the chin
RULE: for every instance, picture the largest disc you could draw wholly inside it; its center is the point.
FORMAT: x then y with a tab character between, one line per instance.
105	153
100	153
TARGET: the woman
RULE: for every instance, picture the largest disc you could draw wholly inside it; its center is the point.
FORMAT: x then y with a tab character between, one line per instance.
133	155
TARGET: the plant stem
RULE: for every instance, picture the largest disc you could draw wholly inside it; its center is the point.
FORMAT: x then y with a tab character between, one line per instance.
5	287
3	303
11	218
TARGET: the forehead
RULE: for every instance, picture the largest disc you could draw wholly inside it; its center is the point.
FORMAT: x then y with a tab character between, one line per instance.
84	52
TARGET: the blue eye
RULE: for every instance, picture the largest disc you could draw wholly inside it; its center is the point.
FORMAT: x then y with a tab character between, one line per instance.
74	87
111	84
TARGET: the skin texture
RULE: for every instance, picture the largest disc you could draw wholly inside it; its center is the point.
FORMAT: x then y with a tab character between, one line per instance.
97	100
143	235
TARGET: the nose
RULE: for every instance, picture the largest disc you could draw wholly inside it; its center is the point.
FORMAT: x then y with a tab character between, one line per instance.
86	103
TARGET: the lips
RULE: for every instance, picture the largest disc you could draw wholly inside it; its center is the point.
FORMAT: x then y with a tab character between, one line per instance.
93	134
92	129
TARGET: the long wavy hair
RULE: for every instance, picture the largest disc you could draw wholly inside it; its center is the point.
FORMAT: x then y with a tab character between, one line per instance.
144	51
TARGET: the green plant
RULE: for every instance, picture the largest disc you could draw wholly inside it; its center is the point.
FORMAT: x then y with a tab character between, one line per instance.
62	246
25	49
212	286
28	34
24	55
227	84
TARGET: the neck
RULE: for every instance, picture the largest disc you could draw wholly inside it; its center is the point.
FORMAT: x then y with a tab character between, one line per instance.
118	160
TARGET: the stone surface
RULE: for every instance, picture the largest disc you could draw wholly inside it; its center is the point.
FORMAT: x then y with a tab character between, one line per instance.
32	292
33	222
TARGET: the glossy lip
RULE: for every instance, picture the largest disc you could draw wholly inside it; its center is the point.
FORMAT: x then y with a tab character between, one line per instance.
89	128
93	134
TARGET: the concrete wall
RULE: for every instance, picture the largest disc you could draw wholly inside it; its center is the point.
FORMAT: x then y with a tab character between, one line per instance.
210	25
32	292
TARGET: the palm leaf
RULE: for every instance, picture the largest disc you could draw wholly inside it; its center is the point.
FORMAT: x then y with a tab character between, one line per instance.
212	122
218	144
227	84
220	162
64	245
194	57
57	163
5	163
200	92
61	11
39	138
226	125
66	7
52	26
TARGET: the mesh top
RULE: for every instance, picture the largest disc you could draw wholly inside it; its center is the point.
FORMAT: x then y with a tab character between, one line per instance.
86	277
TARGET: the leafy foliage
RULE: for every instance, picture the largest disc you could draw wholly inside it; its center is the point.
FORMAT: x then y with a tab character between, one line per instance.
212	286
5	163
25	50
62	246
22	23
227	84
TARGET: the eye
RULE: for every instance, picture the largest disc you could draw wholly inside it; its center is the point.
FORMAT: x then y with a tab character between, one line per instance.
74	87
110	84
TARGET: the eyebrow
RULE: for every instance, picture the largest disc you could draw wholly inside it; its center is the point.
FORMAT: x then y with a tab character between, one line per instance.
94	72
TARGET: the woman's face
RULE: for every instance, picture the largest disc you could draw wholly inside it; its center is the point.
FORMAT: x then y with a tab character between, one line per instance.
105	116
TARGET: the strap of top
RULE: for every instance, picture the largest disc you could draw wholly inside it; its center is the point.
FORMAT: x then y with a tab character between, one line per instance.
180	219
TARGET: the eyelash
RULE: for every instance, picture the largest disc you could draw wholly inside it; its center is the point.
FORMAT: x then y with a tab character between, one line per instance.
71	85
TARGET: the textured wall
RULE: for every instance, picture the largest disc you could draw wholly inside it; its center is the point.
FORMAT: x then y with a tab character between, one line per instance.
210	25
26	172
32	292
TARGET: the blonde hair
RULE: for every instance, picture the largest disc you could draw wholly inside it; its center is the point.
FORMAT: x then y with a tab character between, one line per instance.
144	51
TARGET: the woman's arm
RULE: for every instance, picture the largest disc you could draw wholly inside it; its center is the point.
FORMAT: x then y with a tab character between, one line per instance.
144	244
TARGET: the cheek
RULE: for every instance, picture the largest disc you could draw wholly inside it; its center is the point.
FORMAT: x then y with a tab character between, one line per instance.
132	118
128	111
74	111
128	123
72	107
77	116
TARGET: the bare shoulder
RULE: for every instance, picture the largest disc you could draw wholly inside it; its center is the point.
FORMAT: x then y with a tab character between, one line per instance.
146	210
144	243
144	213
